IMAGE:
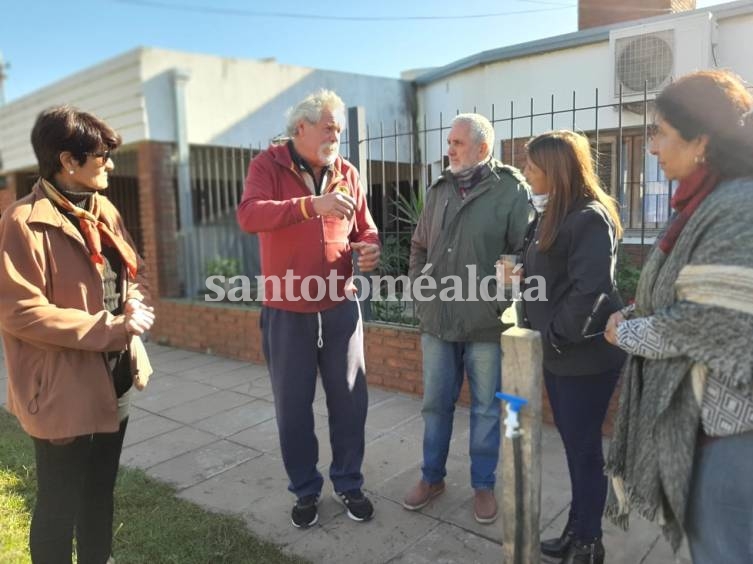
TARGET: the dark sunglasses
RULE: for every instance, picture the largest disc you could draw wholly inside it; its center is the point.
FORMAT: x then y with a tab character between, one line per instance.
104	155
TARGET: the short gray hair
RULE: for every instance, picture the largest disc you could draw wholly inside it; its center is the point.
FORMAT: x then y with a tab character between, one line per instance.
311	107
481	128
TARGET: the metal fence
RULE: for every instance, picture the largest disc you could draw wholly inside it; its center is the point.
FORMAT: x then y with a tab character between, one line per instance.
215	245
398	162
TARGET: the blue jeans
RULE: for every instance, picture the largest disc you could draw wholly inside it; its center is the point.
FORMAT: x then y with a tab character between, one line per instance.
444	365
719	517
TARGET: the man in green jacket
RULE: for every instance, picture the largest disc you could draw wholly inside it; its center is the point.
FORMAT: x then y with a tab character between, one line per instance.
475	211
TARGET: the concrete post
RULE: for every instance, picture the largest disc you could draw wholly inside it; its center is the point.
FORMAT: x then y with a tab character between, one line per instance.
180	78
522	376
357	155
356	150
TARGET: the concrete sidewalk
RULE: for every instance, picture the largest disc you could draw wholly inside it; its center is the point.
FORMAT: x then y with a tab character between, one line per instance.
206	425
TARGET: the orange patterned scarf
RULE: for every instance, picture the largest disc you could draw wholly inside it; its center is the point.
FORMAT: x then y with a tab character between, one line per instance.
94	230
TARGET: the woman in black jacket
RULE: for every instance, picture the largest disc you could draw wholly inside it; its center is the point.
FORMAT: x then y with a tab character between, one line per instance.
572	245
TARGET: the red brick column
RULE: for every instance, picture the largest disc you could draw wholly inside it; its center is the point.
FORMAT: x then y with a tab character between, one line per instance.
159	217
8	194
593	13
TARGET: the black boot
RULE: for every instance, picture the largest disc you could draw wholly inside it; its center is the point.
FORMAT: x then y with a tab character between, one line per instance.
559	546
580	552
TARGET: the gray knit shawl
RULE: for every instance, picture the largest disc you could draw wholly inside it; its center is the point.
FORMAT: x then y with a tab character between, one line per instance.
650	458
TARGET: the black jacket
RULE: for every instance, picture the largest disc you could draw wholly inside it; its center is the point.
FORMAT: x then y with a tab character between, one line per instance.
578	267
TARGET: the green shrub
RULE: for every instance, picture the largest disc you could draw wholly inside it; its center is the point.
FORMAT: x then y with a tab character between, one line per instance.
395	254
221	266
627	280
393	311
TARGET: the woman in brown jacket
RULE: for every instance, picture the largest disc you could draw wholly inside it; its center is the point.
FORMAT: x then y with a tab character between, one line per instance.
71	304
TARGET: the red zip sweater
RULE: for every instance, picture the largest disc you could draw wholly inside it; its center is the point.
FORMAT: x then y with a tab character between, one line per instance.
278	206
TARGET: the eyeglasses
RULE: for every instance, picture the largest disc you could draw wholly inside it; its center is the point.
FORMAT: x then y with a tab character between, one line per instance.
104	155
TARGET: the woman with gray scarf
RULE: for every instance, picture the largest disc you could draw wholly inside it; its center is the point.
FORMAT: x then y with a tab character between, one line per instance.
682	451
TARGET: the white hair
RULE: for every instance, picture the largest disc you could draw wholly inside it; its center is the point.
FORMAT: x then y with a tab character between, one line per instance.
311	108
481	129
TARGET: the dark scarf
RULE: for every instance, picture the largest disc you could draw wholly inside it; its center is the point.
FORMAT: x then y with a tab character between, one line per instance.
469	177
304	166
689	195
94	230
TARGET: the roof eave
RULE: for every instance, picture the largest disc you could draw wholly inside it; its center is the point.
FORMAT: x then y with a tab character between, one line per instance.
569	41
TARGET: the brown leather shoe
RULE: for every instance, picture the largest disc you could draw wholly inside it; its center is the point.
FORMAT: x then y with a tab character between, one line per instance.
484	506
421	494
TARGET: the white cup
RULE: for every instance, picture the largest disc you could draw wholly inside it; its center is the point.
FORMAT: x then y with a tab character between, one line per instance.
504	269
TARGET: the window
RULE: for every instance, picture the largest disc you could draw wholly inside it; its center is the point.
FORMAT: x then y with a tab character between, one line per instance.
644	193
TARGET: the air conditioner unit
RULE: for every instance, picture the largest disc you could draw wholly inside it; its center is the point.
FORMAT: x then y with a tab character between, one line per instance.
645	58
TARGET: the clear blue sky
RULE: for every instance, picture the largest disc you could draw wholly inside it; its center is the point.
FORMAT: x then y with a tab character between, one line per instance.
46	40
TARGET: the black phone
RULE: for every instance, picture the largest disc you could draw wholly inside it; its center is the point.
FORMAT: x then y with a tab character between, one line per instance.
604	306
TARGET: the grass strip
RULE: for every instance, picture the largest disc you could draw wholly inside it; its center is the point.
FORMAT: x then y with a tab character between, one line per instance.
152	525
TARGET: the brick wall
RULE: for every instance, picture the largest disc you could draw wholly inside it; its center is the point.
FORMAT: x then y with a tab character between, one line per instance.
214	328
393	357
393	354
516	157
636	254
594	13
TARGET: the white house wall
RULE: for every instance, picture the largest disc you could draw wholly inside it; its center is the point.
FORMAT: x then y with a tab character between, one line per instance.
518	81
111	90
582	69
232	102
238	102
734	49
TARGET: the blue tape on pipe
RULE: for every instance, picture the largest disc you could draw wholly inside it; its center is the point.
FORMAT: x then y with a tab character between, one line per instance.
515	402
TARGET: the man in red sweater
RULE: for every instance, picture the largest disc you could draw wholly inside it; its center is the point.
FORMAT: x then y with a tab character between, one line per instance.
307	206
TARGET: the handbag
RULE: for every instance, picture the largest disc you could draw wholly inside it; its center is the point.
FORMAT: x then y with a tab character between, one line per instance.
132	367
122	374
141	368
